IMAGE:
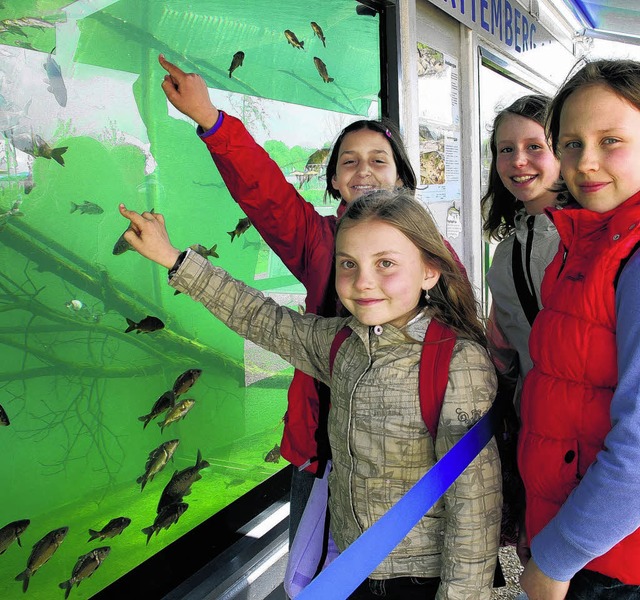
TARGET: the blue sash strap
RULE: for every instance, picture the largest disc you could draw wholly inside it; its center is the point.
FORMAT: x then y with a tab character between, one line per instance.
354	565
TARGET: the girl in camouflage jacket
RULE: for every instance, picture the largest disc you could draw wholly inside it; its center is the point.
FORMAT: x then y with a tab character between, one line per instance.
394	275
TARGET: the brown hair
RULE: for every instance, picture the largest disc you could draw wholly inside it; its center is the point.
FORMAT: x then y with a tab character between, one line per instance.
452	301
499	205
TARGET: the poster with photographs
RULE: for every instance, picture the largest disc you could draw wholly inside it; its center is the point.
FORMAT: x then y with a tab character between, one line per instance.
439	116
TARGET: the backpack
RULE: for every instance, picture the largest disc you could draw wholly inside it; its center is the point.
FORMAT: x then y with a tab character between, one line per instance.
435	358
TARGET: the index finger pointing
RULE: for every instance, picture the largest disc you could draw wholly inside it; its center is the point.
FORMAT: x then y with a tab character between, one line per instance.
172	69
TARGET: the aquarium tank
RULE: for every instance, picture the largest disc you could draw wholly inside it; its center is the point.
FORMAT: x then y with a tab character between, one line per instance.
112	388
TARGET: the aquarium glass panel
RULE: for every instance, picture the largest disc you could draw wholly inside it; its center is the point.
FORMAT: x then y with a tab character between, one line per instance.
92	339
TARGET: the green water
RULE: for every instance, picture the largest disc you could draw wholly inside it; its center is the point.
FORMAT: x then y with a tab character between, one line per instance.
71	381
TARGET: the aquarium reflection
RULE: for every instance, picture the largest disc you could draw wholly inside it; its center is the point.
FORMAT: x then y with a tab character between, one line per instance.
128	415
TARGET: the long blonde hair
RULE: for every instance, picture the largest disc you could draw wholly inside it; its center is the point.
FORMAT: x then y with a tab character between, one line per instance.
451	300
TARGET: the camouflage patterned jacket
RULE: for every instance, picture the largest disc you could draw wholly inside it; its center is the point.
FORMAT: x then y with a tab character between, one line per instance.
379	442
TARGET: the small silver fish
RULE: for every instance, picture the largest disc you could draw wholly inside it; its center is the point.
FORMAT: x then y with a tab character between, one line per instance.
204	251
42	551
166	517
11	533
85	567
318	31
74	305
241	227
238	57
111	529
293	40
87	208
179	411
322	70
55	81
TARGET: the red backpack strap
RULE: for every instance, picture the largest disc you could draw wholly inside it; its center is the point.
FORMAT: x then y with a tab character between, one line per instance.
341	336
435	358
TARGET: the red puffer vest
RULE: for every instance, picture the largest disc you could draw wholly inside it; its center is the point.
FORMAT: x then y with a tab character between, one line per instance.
567	395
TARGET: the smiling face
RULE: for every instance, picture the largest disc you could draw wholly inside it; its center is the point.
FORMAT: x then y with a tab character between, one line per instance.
599	147
365	163
525	163
380	273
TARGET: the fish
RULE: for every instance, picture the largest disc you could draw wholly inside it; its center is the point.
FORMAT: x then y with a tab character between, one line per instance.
179	411
318	31
35	146
42	551
157	461
4	420
293	40
165	518
11	533
180	483
273	456
146	325
241	227
111	529
55	81
204	251
184	381
322	70
365	11
87	208
166	401
238	57
85	567
121	245
317	158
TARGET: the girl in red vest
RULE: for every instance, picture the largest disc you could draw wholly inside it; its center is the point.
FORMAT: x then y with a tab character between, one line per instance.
396	277
579	447
367	155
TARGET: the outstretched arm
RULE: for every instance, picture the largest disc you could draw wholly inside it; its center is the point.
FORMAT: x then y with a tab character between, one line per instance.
188	93
148	235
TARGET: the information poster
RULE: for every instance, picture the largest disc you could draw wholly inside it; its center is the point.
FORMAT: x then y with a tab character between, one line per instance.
439	122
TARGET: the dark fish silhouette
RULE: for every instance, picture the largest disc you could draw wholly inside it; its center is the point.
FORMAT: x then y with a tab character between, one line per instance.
241	227
42	551
180	483
147	325
293	40
121	245
184	381
318	31
366	11
12	532
166	517
273	456
4	420
322	69
85	567
238	57
166	401
157	461
55	81
87	208
111	529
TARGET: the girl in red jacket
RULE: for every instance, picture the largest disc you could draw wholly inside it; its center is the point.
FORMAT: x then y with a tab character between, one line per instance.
367	155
